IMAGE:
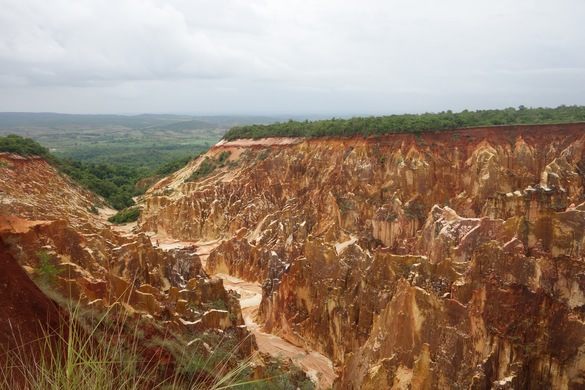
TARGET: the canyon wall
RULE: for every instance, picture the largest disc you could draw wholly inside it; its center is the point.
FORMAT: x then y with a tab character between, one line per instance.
52	228
447	259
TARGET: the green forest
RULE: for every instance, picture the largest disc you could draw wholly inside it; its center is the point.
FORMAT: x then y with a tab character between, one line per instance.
116	183
409	123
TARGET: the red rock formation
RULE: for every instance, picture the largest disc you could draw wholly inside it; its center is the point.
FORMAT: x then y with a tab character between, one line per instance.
27	314
45	218
448	259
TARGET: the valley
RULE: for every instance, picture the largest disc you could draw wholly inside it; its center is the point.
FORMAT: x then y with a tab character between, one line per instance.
317	366
404	264
292	195
449	259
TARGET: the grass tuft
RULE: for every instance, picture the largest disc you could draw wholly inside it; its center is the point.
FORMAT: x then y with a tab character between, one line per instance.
109	350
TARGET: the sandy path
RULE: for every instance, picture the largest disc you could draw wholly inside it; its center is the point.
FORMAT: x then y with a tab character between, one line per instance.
316	365
167	243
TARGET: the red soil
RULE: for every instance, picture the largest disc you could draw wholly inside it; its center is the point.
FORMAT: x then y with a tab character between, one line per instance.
27	313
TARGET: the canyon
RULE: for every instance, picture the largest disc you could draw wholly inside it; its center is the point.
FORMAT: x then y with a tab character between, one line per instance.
56	233
449	259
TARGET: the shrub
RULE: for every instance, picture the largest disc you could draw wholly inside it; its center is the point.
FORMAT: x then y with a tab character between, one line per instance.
279	378
47	270
218	304
345	205
263	155
223	156
22	146
125	216
116	183
173	166
414	210
205	168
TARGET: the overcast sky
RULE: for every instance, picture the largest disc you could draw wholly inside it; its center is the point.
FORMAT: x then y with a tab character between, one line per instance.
289	57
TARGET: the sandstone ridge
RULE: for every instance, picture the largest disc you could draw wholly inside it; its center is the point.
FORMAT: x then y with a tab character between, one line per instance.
436	260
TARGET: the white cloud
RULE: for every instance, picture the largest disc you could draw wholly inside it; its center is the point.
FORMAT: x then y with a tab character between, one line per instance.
319	56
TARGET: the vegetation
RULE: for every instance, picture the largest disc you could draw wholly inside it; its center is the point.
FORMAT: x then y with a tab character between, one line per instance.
22	146
112	351
144	142
415	210
278	378
209	165
47	270
173	166
410	123
127	215
223	156
116	183
263	155
143	156
218	304
205	168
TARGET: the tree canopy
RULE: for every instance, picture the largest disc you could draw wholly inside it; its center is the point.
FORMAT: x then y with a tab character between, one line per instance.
22	146
410	123
116	183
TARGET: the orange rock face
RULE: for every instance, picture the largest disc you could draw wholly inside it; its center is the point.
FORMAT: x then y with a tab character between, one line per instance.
47	226
450	259
27	313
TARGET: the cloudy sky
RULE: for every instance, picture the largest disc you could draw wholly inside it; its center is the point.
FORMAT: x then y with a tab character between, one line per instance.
306	57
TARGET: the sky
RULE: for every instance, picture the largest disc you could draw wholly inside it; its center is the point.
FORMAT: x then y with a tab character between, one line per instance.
305	57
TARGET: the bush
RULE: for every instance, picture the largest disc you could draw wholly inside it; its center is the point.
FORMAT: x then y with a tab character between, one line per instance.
263	155
116	183
22	146
223	156
125	216
205	168
414	210
173	166
218	304
47	270
279	377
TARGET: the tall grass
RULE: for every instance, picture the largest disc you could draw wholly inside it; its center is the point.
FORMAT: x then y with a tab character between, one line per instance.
113	349
110	351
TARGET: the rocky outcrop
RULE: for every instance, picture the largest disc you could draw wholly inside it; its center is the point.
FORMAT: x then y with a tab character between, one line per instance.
448	259
28	314
48	227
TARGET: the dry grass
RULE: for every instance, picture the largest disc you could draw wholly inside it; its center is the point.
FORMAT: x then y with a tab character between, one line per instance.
107	351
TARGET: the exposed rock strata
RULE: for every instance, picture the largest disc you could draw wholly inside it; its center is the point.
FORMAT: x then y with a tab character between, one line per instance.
46	223
27	313
450	259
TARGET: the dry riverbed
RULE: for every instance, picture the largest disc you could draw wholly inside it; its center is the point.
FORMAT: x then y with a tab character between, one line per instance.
316	365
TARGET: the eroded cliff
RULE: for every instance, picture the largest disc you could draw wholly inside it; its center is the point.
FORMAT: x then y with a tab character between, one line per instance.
50	227
448	259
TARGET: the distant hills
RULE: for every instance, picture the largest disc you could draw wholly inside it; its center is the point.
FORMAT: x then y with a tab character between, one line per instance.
31	122
145	141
